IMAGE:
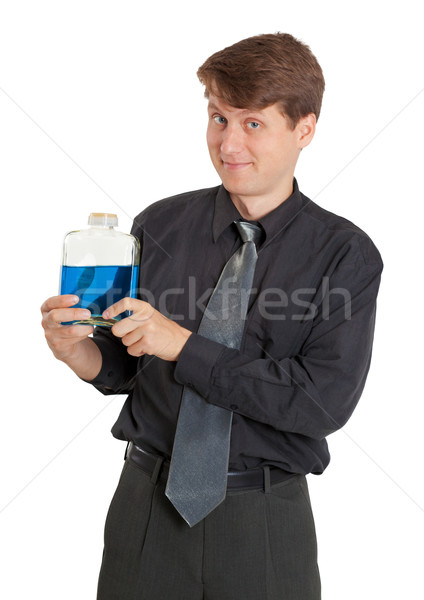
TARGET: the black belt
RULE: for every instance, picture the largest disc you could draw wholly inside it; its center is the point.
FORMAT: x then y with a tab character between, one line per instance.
157	467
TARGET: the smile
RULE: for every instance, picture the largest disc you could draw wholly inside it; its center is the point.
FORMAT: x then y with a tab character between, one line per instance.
235	166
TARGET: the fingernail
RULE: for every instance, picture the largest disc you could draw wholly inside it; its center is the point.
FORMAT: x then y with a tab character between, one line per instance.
75	299
105	314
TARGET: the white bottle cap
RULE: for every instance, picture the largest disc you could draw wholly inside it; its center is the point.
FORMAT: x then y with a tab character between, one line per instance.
103	219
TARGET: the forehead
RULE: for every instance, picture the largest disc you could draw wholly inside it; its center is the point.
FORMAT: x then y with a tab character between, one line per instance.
215	103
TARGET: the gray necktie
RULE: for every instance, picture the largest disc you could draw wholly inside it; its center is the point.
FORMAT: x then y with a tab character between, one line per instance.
197	479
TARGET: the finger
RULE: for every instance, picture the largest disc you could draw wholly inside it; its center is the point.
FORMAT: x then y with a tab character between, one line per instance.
71	332
62	301
123	327
58	316
131	323
65	337
137	321
132	304
136	349
79	331
131	338
120	307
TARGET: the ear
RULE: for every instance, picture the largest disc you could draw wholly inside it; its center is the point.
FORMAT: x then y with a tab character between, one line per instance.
306	130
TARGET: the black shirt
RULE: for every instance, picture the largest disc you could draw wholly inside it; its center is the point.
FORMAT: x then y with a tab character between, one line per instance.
307	343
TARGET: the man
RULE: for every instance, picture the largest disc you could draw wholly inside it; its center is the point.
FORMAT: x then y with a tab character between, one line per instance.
294	376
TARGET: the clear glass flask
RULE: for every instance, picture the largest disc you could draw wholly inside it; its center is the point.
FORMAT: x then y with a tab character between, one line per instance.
100	265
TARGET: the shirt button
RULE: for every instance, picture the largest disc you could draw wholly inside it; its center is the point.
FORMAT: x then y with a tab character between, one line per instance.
110	373
233	406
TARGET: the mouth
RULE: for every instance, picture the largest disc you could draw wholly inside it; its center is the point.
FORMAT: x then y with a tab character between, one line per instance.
232	166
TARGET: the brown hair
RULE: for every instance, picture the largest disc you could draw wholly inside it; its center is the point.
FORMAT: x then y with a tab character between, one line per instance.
263	70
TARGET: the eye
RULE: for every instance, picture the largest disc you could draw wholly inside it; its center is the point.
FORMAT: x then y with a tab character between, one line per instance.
219	120
253	125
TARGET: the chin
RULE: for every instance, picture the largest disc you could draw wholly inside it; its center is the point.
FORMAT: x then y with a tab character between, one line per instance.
238	190
234	185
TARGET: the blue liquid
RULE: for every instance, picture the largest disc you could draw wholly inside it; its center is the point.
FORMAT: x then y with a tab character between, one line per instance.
98	288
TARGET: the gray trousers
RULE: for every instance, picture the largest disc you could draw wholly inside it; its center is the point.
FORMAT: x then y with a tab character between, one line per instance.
256	545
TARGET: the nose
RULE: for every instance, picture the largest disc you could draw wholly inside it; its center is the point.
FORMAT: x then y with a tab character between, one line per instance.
232	140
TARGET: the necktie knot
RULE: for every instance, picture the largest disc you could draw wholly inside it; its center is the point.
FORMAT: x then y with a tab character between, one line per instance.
249	232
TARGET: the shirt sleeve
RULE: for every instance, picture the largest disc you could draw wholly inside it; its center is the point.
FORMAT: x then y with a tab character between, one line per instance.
119	369
314	392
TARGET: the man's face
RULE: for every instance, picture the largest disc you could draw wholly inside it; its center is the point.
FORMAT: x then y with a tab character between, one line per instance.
254	152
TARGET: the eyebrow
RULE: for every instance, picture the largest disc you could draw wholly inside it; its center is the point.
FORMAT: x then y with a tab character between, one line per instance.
212	106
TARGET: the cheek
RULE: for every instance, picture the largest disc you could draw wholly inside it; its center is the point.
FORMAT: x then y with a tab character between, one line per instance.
213	140
279	155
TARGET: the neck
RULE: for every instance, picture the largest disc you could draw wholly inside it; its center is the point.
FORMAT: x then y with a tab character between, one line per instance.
253	208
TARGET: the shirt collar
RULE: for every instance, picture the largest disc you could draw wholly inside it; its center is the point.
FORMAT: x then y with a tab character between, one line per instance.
272	223
225	212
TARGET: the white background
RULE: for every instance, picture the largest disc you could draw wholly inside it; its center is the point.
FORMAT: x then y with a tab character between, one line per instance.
101	110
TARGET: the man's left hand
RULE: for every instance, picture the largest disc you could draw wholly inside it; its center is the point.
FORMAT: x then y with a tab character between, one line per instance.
147	331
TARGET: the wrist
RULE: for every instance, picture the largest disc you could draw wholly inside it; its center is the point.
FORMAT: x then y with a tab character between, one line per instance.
85	359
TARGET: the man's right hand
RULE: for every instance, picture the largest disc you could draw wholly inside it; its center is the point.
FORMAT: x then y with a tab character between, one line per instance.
70	343
63	339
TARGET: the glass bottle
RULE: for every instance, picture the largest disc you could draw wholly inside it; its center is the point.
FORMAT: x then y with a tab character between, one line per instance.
99	265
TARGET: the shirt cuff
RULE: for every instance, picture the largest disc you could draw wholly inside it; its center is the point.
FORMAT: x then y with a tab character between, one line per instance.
196	362
110	377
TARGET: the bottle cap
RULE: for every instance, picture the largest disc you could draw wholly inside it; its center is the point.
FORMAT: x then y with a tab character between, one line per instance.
103	219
